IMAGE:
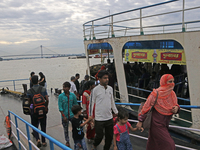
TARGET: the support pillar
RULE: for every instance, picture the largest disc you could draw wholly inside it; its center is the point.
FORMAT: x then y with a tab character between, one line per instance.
192	50
119	67
87	58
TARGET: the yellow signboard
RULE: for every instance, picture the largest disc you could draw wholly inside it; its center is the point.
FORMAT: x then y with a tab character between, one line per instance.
164	56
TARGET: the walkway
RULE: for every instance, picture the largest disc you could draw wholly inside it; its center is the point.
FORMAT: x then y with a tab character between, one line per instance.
54	127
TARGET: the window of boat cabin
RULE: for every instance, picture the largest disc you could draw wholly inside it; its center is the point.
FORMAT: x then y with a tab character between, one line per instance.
144	75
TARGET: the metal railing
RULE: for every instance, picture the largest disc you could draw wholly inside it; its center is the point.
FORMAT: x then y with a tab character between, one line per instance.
14	84
185	108
106	27
137	104
52	141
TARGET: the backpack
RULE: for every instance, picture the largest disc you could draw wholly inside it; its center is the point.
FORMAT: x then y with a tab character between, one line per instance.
26	106
39	108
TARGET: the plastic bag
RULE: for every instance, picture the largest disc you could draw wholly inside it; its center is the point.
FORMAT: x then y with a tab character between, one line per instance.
4	142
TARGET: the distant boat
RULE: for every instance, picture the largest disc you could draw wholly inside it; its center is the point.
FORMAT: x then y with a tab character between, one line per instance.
83	57
78	57
99	56
72	57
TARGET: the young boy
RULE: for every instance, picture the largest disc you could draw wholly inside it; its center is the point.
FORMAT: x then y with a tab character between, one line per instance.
77	128
65	102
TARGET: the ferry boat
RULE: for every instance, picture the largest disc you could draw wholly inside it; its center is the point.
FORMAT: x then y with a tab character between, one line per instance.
179	47
148	45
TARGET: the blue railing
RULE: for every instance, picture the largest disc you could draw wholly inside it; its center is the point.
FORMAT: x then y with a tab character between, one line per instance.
140	89
52	141
13	83
138	104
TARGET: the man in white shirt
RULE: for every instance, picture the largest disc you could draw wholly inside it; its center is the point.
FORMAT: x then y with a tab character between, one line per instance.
73	87
102	97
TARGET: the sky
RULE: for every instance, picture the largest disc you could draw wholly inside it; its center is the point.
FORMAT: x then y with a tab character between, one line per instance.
58	24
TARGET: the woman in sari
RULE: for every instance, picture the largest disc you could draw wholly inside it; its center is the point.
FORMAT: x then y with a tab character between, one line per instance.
90	133
166	105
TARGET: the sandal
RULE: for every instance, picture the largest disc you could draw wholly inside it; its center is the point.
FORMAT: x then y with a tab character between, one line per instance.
67	144
39	144
44	144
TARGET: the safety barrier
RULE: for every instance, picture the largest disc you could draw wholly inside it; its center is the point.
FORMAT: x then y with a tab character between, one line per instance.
140	89
183	107
52	141
136	104
14	84
111	25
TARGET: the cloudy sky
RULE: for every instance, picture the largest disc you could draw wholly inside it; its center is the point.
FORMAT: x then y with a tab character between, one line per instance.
57	24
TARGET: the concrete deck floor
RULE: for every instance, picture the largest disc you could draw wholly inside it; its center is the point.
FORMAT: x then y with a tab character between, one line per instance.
54	126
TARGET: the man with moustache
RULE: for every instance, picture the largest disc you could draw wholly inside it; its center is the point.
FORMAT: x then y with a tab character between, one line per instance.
102	97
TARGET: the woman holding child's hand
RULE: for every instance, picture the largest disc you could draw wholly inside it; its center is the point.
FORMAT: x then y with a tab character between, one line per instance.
165	107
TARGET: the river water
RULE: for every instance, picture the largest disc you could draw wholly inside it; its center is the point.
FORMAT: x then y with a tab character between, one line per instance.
56	70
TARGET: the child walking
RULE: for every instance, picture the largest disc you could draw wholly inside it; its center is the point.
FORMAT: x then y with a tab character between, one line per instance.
121	132
77	128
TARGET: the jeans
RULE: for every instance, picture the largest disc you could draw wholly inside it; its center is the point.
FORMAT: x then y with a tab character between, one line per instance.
65	127
80	142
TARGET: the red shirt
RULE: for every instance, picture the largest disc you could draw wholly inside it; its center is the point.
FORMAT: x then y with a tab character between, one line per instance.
86	100
122	129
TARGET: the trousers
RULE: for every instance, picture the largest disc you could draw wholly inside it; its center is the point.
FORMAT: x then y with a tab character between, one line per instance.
104	128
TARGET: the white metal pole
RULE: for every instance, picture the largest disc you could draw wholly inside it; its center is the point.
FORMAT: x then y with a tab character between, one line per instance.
84	32
93	30
141	29
183	17
112	31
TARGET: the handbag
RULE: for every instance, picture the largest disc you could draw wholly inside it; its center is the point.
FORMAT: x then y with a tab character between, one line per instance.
147	121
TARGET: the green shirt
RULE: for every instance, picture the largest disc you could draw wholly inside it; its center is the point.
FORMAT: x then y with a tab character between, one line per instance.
63	103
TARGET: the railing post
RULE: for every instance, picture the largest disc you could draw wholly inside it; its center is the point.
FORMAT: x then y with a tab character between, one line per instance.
16	124
141	29
93	31
9	114
125	32
51	145
14	84
84	33
28	135
112	31
90	33
183	17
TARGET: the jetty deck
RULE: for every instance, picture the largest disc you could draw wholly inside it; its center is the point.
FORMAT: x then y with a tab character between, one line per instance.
54	126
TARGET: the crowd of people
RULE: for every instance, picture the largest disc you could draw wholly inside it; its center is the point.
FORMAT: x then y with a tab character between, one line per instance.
147	75
99	113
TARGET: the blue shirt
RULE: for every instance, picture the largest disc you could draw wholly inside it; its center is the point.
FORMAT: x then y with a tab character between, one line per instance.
63	103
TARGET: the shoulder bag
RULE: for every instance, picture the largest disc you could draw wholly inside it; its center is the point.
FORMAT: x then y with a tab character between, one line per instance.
147	122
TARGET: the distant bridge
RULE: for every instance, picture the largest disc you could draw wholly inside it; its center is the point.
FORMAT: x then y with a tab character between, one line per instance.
28	53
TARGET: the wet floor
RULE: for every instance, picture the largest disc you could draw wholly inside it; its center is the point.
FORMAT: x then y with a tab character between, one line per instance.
54	126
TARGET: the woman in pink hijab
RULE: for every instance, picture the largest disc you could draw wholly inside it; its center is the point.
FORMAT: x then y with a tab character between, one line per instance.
166	105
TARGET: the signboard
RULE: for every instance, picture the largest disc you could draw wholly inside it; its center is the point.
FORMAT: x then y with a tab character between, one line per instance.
164	56
93	51
106	51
